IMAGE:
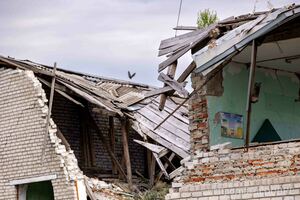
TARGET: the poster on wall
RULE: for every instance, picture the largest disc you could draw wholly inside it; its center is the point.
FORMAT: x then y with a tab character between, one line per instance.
231	125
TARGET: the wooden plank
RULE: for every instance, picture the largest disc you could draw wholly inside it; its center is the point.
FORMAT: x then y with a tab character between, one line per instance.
176	172
90	98
164	137
152	171
49	113
165	166
187	72
63	139
203	35
178	87
124	128
179	39
163	141
171	73
173	58
61	92
169	163
89	191
174	49
168	133
161	166
169	126
170	104
173	125
174	111
181	116
186	28
181	78
158	91
154	148
17	64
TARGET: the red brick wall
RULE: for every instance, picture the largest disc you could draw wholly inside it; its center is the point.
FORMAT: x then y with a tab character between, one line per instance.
259	162
198	115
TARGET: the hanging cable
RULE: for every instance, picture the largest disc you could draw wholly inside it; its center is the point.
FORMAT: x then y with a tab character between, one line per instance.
178	16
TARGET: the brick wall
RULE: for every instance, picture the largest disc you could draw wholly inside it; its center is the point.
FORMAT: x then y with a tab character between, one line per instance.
198	116
264	172
137	152
67	116
22	126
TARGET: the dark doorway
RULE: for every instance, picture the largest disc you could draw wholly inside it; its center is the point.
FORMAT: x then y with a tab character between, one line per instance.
40	191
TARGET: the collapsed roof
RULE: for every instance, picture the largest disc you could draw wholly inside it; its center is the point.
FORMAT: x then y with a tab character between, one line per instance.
118	98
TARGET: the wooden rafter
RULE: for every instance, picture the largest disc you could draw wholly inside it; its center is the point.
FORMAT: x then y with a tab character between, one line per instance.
171	73
178	87
181	79
49	113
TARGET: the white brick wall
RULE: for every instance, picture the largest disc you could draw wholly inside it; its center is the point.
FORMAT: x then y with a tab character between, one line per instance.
22	128
280	188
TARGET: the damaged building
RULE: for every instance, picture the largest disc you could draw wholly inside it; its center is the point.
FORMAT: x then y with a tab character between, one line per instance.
64	133
244	110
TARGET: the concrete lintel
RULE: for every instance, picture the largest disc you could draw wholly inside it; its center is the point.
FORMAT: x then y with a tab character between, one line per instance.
33	180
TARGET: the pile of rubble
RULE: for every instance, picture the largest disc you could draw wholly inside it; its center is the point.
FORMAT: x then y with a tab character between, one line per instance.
109	191
118	190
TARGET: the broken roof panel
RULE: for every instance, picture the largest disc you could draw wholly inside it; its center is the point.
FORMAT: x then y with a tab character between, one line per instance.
173	134
123	97
238	38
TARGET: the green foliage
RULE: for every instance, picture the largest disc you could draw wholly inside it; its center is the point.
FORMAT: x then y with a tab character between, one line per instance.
158	192
206	18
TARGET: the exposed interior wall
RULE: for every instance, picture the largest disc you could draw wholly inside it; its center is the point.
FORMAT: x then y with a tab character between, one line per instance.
69	118
264	172
276	103
22	123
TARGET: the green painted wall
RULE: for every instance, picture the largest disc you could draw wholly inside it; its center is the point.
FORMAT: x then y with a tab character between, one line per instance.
276	102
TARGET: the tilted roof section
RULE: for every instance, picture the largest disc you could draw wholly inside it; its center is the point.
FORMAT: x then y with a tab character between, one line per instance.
238	38
220	40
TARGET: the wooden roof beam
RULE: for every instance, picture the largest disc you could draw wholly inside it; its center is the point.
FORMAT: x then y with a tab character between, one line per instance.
178	87
171	73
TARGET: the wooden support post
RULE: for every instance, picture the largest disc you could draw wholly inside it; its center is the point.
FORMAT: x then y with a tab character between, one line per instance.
124	127
149	160
107	146
112	140
250	91
171	74
49	113
152	171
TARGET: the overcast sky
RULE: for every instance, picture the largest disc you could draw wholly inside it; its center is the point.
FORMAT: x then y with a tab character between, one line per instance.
104	37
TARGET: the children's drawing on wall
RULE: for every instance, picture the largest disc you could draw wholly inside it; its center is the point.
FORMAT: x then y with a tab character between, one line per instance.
231	125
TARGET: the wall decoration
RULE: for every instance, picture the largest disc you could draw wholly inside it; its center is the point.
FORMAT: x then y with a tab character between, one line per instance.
231	125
